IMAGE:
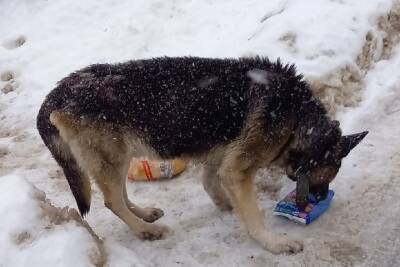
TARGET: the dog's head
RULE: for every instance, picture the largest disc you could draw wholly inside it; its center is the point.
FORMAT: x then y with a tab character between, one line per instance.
316	158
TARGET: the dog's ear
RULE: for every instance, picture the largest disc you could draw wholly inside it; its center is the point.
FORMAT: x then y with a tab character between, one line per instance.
335	124
348	142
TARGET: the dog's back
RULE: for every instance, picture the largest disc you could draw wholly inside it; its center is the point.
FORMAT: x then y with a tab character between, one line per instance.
179	106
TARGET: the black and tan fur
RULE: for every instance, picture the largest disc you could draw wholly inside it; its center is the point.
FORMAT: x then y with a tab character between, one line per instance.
234	115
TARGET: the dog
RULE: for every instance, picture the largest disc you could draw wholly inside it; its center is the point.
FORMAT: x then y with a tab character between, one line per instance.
233	115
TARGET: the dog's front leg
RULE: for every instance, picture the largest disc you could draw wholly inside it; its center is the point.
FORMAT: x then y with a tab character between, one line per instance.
239	187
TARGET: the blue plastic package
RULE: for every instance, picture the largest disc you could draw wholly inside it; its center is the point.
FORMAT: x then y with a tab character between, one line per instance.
287	208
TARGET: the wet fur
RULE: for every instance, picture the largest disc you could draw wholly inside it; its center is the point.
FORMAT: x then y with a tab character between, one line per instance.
234	115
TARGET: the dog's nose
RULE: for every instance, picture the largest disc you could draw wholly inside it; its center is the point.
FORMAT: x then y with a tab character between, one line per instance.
320	192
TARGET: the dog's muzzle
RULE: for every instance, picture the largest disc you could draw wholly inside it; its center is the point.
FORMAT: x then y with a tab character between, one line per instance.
320	192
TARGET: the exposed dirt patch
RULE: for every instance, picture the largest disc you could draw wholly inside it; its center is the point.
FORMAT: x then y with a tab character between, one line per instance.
340	88
57	216
21	238
4	152
56	173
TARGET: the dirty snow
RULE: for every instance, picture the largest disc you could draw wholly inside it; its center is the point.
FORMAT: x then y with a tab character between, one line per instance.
43	41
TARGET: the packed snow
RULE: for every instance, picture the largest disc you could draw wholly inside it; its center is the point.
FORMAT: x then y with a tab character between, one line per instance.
349	51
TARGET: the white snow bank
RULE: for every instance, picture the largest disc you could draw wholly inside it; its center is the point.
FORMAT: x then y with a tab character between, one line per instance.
32	236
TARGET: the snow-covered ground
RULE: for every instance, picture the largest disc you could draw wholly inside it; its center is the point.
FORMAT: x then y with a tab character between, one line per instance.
348	49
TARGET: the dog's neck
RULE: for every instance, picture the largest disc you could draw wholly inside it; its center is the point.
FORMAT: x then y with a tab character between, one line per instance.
300	135
280	158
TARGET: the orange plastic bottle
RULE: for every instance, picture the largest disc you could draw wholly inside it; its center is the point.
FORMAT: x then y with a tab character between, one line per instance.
151	170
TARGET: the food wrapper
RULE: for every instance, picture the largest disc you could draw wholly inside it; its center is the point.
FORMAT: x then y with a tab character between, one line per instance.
287	208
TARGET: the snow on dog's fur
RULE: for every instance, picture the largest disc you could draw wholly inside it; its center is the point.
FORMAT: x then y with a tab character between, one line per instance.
234	115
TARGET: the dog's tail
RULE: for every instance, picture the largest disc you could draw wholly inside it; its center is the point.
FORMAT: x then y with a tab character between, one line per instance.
78	180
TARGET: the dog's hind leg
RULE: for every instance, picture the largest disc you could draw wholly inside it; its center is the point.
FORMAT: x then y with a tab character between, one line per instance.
238	182
111	178
103	153
114	192
212	185
147	214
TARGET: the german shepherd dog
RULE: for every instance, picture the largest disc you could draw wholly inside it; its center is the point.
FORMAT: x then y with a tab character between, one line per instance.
233	115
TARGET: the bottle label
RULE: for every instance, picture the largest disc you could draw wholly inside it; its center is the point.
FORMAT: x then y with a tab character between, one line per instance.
147	170
166	169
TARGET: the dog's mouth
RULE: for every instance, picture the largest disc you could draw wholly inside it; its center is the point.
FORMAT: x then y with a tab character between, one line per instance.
303	189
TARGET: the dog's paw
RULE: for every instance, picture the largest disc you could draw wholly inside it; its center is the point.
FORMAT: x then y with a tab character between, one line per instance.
285	245
152	214
279	244
224	206
154	232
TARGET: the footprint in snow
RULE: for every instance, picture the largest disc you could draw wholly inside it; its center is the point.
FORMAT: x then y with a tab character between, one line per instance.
14	42
9	77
